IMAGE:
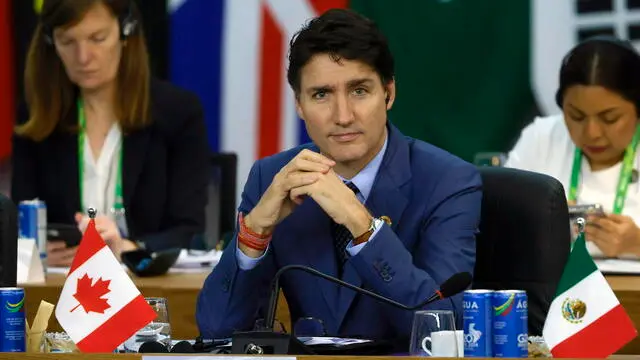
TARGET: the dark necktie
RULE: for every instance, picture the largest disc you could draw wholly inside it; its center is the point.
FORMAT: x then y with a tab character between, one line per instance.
342	236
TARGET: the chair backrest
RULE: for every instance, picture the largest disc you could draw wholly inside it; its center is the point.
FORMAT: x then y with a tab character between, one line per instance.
8	242
524	240
221	205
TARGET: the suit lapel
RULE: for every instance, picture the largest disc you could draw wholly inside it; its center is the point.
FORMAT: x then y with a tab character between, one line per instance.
386	198
134	147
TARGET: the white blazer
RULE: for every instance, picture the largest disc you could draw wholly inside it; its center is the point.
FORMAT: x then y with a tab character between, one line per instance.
546	147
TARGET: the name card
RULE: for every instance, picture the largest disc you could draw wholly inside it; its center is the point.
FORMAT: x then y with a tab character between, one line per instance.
30	269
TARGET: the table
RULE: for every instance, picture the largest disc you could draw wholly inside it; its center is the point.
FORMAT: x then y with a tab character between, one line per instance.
627	289
181	291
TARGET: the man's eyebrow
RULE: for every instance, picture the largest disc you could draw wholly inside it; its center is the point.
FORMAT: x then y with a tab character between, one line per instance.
356	82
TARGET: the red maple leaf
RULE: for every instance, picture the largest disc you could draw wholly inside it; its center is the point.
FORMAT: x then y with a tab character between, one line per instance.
90	296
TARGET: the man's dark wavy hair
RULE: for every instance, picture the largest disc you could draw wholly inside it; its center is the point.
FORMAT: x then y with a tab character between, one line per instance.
342	34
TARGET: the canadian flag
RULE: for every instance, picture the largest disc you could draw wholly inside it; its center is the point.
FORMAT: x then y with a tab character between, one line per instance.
100	307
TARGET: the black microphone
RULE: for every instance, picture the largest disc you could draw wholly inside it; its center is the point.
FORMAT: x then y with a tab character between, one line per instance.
182	347
453	285
152	347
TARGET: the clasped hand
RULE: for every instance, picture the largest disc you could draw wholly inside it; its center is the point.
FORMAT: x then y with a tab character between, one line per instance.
309	174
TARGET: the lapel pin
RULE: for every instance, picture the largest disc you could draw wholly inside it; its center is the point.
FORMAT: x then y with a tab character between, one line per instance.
386	219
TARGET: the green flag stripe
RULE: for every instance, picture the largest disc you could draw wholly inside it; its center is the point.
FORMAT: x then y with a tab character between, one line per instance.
579	266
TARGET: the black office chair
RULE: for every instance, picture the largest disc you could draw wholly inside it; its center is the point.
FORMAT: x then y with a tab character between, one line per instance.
221	205
8	242
524	240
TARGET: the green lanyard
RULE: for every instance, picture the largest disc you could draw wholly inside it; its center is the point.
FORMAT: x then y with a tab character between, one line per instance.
119	203
623	181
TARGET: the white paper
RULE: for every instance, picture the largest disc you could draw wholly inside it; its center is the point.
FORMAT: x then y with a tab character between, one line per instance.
58	270
618	266
197	259
30	269
320	340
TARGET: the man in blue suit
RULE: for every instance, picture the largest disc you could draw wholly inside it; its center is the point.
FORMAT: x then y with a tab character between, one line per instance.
323	204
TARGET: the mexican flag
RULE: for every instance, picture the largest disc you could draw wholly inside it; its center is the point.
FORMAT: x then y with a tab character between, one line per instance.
100	307
585	318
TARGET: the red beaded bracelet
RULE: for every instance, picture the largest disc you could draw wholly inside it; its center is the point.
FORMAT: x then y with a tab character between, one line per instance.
261	246
250	238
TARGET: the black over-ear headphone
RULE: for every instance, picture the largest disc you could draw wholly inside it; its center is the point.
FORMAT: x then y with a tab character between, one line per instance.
126	21
601	38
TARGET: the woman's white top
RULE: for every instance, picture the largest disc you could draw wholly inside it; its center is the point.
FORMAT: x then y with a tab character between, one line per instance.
546	147
100	175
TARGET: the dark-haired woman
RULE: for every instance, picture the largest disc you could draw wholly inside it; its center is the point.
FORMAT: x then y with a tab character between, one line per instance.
592	146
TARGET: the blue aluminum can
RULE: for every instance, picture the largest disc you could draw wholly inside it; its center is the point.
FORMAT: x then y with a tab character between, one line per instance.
478	318
510	324
12	317
33	225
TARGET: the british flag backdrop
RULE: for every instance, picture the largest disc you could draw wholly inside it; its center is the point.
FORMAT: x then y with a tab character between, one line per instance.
233	54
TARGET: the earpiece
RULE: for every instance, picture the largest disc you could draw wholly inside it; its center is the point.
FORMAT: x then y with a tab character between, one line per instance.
387	98
127	23
47	35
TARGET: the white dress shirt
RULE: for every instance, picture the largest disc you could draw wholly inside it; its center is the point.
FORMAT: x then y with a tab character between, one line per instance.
546	147
100	175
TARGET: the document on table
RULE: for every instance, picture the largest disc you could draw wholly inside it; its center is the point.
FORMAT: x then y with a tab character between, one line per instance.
198	259
618	266
323	340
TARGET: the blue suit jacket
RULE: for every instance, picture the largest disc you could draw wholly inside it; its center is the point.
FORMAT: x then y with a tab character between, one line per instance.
433	199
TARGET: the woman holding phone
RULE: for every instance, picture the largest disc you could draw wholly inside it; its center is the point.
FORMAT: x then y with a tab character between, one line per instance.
591	148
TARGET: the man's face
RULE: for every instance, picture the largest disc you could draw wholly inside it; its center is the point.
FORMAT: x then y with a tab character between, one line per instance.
344	106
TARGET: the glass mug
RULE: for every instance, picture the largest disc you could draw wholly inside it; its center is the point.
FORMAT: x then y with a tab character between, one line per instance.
434	334
158	330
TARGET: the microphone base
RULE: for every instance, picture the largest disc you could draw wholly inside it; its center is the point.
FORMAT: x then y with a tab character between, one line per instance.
269	342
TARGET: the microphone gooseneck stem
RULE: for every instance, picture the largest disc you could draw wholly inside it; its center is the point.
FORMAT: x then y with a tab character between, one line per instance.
275	292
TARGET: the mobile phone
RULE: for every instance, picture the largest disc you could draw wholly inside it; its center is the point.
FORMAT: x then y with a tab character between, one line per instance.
64	232
494	159
585	210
